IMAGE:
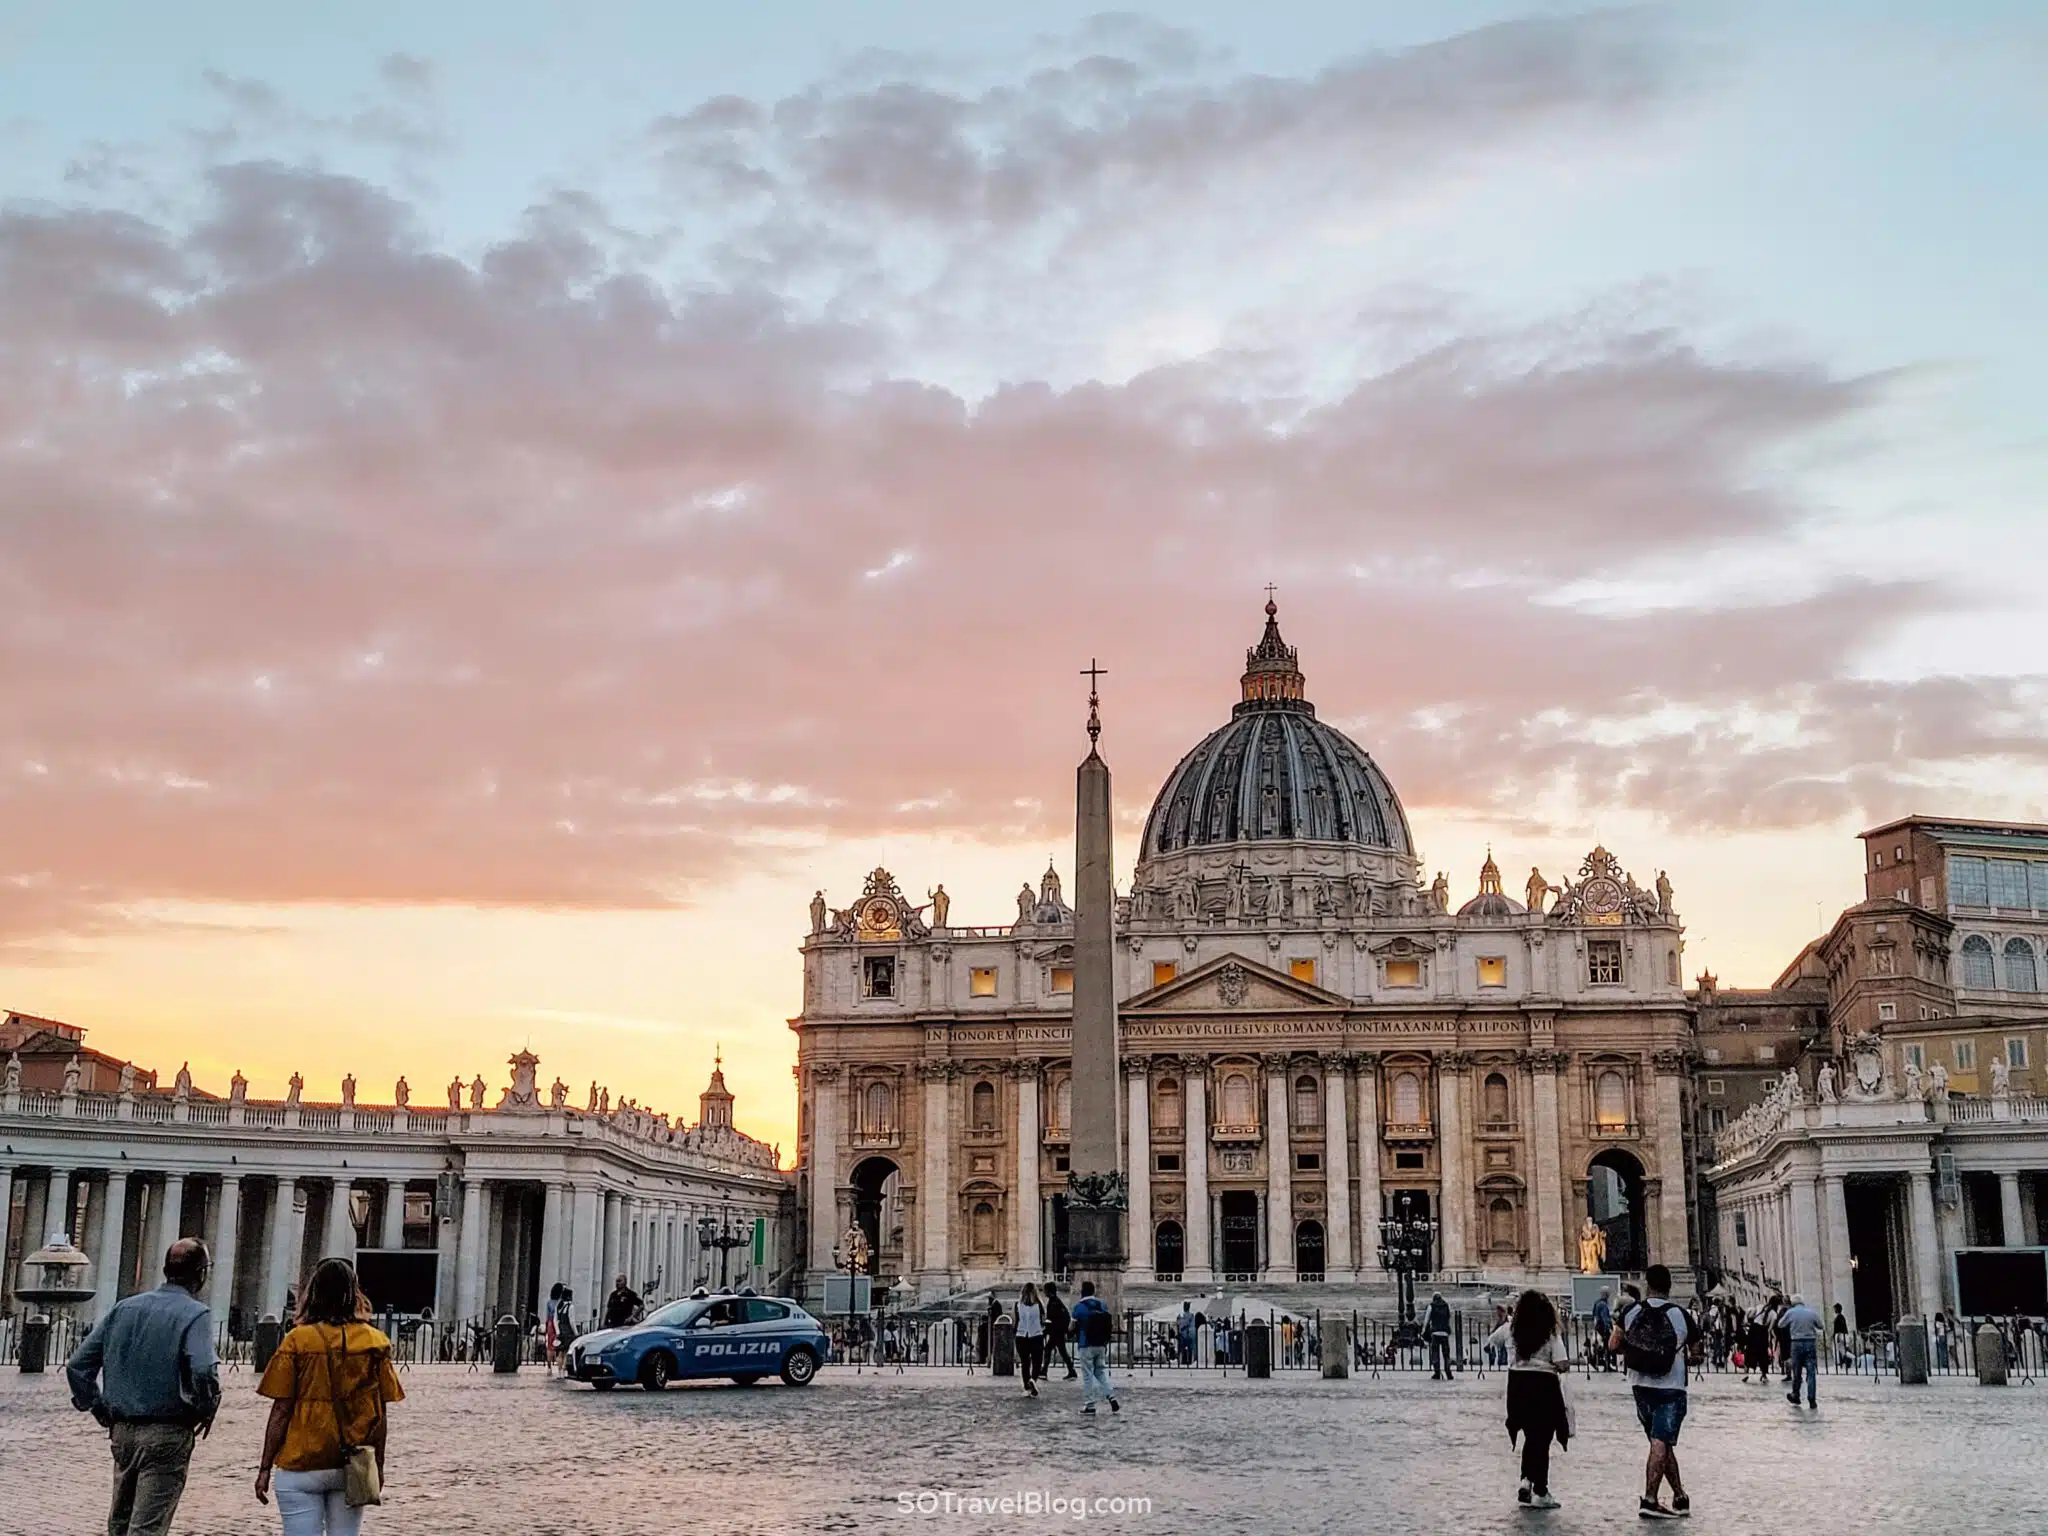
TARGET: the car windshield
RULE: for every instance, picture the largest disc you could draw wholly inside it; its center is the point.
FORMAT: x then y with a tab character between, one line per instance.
677	1314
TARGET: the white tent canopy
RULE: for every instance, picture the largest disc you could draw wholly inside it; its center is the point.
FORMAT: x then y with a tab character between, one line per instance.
1240	1309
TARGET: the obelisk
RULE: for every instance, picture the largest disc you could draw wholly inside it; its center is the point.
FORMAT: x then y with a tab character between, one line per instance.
1096	1197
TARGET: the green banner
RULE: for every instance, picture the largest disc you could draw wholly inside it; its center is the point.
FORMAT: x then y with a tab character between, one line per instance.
760	1240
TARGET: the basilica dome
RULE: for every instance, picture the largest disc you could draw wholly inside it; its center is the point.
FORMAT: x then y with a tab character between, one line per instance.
1275	773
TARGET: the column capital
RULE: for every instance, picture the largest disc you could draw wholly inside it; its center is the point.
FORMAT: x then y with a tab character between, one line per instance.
1194	1063
1668	1061
1137	1067
1337	1063
1551	1061
825	1072
1276	1061
1454	1061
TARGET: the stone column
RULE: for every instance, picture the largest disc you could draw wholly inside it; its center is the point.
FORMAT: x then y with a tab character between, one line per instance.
1841	1278
1338	1263
608	1249
393	1235
824	1170
150	1240
7	1230
1138	1158
2011	1215
554	1212
586	1238
1927	1264
935	1198
1547	1160
1456	1191
1806	1261
284	1247
113	1228
1030	1213
1369	1166
227	1231
1672	1239
341	1229
470	1244
1279	1175
1195	1246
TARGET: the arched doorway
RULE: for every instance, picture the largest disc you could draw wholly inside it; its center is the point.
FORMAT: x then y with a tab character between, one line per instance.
1239	1209
1056	1244
874	1183
1167	1250
1308	1250
1614	1199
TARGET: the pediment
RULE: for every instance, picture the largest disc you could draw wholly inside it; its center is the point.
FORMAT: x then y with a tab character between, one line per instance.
1234	984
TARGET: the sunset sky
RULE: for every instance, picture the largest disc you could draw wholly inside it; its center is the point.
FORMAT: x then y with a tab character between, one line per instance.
498	502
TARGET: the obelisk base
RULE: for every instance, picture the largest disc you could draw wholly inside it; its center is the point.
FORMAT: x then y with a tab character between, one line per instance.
1095	1251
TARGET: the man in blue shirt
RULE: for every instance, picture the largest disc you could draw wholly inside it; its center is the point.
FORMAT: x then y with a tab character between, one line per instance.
161	1389
1802	1324
1093	1328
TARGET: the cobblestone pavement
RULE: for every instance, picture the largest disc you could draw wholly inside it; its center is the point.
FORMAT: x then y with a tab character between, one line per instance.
476	1453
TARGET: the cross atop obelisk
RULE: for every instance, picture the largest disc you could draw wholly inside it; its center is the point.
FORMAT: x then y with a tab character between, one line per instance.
1096	1197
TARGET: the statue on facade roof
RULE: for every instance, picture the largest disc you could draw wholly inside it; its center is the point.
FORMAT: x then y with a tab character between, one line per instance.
455	1092
1937	1083
477	1090
558	1094
348	1091
818	911
127	1079
1663	894
14	1072
604	1101
1440	893
942	905
294	1086
1535	892
2001	1078
1824	1081
591	1107
1915	1093
182	1085
1026	903
401	1095
238	1088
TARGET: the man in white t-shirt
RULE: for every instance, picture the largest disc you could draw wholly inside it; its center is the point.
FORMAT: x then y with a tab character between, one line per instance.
1656	1361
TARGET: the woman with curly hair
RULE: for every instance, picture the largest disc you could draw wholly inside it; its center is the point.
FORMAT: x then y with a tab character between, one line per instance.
1539	1409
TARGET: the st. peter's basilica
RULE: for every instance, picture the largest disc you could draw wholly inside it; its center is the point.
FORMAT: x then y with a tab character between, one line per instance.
1309	1031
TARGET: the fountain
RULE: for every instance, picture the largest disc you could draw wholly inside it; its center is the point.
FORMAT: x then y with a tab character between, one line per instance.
57	1277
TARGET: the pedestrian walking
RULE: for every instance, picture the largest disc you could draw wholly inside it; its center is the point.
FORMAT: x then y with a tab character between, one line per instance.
1838	1329
1030	1338
1093	1327
1654	1338
1756	1345
1185	1327
1056	1328
1539	1407
1437	1327
1603	1324
549	1338
148	1375
1802	1329
329	1383
1940	1340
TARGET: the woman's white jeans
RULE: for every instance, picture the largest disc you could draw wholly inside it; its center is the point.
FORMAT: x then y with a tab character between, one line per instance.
311	1503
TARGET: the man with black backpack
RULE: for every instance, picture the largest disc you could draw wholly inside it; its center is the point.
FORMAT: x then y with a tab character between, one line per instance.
1093	1328
1656	1340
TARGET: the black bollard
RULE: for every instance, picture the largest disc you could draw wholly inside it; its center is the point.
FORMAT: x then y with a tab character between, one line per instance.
505	1341
35	1345
1258	1350
269	1334
1002	1346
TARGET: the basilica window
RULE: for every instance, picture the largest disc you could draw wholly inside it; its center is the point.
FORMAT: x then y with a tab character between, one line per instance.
1493	970
1239	1104
1966	1055
1063	1104
1501	1233
1404	973
984	1106
1887	1012
1166	1104
2016	1052
2009	883
1915	1055
1603	961
2020	973
1494	1090
1163	971
1407	1100
982	1227
878	976
1308	1102
981	981
1063	978
1978	969
1610	1101
877	1110
1671	967
1969	882
1303	969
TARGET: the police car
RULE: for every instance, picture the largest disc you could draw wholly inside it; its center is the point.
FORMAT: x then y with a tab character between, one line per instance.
741	1337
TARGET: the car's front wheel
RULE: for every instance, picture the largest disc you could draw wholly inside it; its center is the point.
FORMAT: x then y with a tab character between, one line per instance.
800	1368
747	1379
657	1370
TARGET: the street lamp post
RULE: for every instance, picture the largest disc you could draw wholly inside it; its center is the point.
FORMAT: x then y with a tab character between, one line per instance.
722	1235
1406	1240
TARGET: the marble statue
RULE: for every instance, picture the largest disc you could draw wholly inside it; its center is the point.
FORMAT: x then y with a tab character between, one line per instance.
14	1072
1276	897
604	1101
591	1107
401	1094
2001	1078
348	1091
817	912
1026	903
477	1089
238	1088
1440	893
1824	1080
1233	894
1536	890
942	906
1592	1247
558	1094
1937	1083
1915	1093
127	1078
455	1093
1663	894
294	1086
182	1084
1361	893
1186	900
